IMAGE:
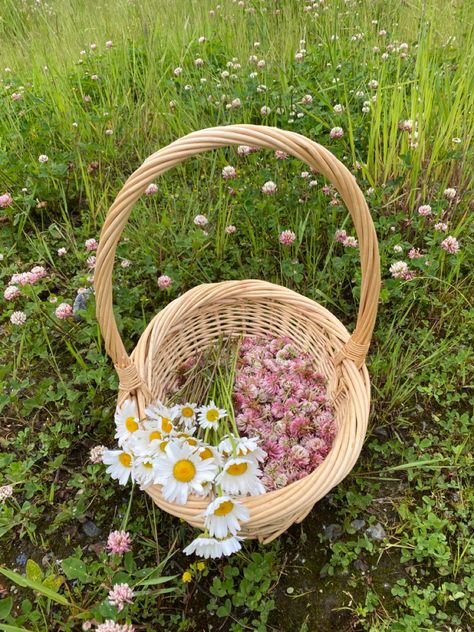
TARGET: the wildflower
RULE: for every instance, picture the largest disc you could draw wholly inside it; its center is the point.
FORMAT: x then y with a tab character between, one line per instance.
93	46
230	229
336	132
338	108
224	515
111	626
449	194
201	221
287	237
456	140
18	318
91	244
245	150
269	188
450	244
6	200
43	158
350	242
397	248
200	566
265	110
119	542
208	416
235	104
11	293
441	226
299	56
61	252
229	172
340	236
87	98
109	44
6	491
414	253
96	453
109	132
164	281
172	104
151	189
186	577
199	62
126	421
399	269
182	471
202	39
307	99
63	311
119	465
213	548
125	263
91	262
373	84
177	71
240	476
120	595
261	63
281	155
425	210
406	126
17	96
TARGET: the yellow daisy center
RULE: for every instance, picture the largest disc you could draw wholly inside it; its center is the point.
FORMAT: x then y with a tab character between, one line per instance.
206	454
212	415
156	434
163	445
184	471
131	425
148	464
187	411
236	469
224	508
125	459
166	424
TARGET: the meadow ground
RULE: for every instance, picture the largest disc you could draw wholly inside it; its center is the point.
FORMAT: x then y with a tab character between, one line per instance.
89	90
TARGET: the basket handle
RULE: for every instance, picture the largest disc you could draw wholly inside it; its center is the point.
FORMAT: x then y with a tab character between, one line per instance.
313	154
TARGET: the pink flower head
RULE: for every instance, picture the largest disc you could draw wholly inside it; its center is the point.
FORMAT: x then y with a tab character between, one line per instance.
91	244
350	242
43	158
11	293
119	542
441	226
201	221
287	237
111	626
151	189
61	252
269	188
229	172
96	453
246	150
414	253
336	132
6	200
399	269
38	272
340	236
230	229
450	244
281	155
63	311
91	262
425	210
120	595
449	194
109	44
18	318
164	281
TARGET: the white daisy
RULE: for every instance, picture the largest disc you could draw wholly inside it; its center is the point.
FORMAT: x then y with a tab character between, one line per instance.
240	476
224	515
126	421
210	547
185	437
207	451
120	465
187	414
245	447
209	416
182	471
145	470
146	442
160	417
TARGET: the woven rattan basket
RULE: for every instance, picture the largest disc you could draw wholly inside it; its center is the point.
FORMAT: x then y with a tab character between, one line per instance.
203	314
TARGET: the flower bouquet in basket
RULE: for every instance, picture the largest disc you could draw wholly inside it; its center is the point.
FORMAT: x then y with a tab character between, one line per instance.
246	416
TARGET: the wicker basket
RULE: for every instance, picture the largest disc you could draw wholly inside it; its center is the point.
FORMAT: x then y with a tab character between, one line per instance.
201	315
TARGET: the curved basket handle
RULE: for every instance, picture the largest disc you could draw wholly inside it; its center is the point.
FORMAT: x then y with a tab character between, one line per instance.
313	154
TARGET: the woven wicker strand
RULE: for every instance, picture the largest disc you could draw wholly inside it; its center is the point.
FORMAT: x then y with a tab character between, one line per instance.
252	307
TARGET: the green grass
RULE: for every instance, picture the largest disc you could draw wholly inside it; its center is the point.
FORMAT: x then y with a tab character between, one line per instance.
58	388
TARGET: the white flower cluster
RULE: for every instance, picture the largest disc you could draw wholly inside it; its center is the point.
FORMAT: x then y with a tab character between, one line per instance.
165	449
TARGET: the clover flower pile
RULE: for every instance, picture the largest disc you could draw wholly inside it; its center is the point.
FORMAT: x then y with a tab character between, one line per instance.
279	396
190	450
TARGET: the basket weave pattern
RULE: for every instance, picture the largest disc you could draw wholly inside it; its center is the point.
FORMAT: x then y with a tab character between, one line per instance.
199	317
